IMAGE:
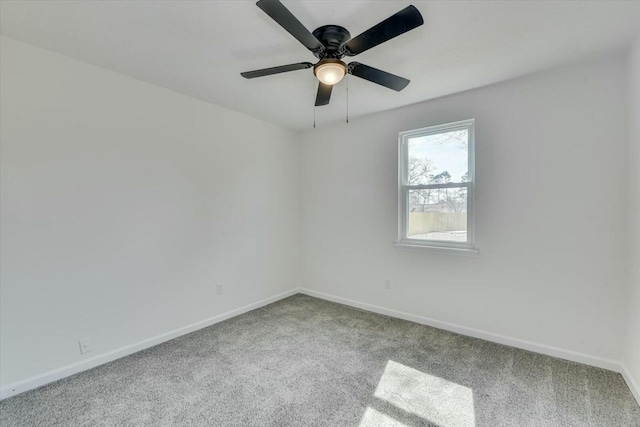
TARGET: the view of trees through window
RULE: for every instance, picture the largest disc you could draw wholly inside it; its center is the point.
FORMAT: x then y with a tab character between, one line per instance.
437	168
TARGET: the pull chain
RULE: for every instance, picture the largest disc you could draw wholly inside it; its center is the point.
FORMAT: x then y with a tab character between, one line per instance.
313	87
347	98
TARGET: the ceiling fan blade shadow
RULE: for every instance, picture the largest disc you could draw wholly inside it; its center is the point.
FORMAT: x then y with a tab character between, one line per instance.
380	77
276	70
286	20
405	20
324	94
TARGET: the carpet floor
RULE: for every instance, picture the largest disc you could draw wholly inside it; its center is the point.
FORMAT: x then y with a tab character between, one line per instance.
303	361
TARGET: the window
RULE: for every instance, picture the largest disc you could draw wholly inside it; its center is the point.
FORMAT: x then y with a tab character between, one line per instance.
436	187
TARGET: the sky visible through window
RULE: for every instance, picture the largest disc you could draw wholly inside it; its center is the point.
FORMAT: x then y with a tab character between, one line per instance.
444	152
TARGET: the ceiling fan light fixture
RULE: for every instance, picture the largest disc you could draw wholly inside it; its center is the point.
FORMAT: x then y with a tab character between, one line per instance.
330	71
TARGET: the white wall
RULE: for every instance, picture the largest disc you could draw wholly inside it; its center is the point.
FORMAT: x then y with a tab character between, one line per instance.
123	204
632	354
551	201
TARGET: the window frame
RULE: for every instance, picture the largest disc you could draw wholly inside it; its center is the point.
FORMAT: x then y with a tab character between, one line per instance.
404	242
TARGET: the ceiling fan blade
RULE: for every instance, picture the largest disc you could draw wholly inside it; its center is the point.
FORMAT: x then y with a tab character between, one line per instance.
405	20
282	16
276	70
324	94
380	77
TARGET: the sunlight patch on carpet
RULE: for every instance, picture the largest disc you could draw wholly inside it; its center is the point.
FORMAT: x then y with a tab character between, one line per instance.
373	418
431	398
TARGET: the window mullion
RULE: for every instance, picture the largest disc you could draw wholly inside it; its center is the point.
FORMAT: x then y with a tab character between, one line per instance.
432	186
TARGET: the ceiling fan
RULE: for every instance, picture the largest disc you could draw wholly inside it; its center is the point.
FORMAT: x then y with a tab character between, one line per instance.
330	43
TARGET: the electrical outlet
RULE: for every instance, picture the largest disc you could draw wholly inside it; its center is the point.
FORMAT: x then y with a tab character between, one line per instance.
85	345
219	289
387	284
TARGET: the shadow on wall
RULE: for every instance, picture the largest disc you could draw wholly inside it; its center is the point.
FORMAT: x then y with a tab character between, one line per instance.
407	397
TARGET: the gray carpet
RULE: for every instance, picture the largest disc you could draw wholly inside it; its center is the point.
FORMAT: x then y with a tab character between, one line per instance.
307	362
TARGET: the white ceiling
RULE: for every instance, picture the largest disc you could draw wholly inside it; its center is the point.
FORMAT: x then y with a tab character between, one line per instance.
199	48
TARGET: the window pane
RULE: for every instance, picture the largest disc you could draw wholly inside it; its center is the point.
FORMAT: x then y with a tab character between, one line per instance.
438	214
439	158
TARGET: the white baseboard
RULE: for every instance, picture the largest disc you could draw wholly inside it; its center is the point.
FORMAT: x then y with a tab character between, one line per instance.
74	368
611	365
634	385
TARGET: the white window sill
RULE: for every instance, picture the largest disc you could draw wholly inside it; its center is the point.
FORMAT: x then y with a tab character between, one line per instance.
444	250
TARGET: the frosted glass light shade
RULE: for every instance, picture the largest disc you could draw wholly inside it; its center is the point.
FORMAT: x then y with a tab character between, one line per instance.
329	71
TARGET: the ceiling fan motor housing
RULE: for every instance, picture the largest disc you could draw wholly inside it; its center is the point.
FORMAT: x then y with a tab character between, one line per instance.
332	37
